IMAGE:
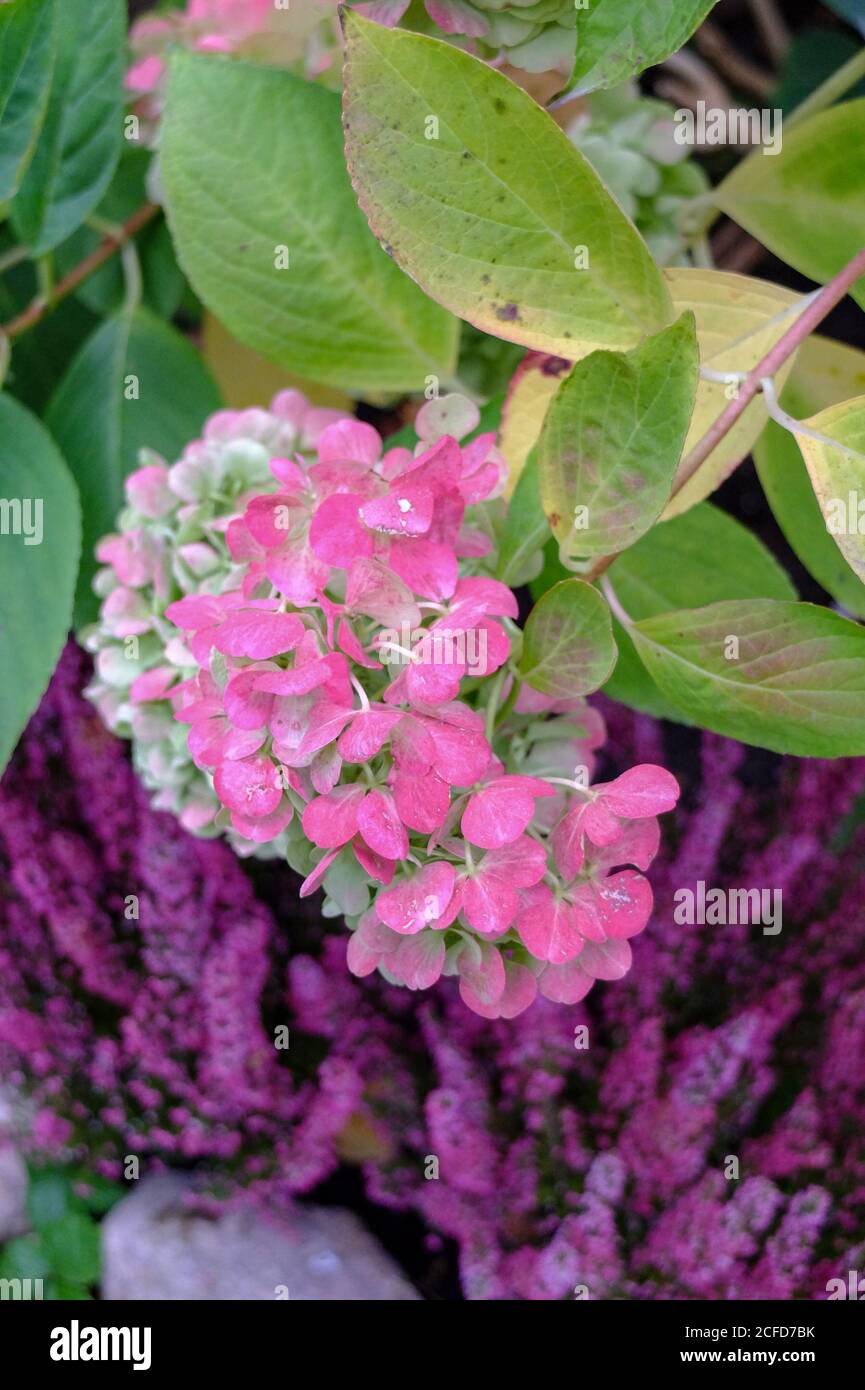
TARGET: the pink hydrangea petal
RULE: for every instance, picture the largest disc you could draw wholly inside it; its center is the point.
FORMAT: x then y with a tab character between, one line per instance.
332	820
422	800
407	511
251	786
152	684
599	823
148	491
482	972
497	815
487	596
462	753
428	568
245	706
606	960
258	635
263	828
379	823
645	790
314	879
418	960
637	845
349	439
620	904
380	869
567	844
520	991
337	535
565	984
374	590
325	769
367	733
547	927
369	944
487	905
419	901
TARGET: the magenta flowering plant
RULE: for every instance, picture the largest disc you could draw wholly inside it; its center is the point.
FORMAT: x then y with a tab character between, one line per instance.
311	630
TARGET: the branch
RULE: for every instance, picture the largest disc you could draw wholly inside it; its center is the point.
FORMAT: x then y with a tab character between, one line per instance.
107	247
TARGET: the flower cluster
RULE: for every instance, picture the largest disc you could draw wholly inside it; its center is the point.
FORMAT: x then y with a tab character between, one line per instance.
172	542
344	667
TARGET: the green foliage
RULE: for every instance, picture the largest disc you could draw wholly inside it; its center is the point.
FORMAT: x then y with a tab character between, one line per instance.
79	143
27	43
618	39
612	440
62	1248
136	383
246	192
785	676
568	646
483	200
807	203
40	542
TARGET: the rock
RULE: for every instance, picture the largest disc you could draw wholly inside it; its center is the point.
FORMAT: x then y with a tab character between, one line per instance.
13	1194
154	1250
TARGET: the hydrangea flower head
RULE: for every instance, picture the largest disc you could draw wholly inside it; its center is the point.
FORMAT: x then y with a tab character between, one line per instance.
338	685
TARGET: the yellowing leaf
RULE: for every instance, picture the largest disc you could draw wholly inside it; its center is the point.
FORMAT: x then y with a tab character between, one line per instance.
837	473
477	193
739	319
532	387
825	373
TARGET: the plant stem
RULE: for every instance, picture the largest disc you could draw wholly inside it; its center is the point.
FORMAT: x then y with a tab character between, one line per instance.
834	87
111	243
810	318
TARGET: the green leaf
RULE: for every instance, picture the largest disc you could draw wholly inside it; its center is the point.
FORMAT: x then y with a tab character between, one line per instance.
101	423
40	542
72	1246
702	557
27	46
162	280
825	373
612	439
784	676
807	204
568	646
80	140
837	473
617	39
479	195
48	1198
252	161
525	530
24	1258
